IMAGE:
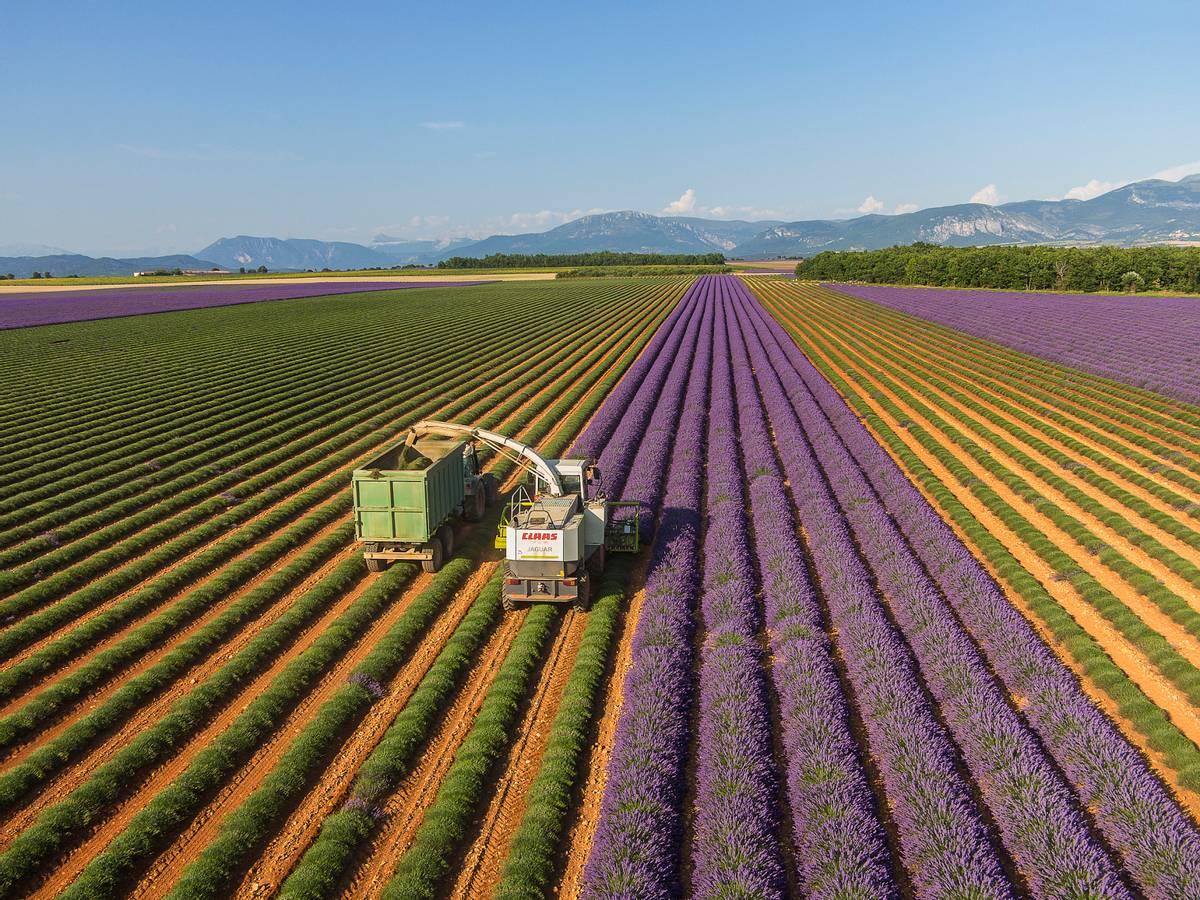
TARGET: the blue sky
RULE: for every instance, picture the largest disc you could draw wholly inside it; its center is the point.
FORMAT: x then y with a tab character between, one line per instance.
134	127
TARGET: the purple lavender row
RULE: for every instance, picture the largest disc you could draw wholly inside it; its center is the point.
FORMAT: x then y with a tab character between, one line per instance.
943	839
1158	845
635	850
644	483
735	850
840	845
55	307
608	418
1039	818
1149	342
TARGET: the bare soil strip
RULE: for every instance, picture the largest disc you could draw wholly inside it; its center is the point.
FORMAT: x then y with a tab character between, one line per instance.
484	861
405	809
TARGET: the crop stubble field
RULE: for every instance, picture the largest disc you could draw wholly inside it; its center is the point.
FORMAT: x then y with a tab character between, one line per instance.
919	617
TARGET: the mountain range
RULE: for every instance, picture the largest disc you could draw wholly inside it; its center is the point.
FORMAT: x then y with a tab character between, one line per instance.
1144	212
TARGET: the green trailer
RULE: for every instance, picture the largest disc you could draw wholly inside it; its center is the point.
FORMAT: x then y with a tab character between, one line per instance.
407	498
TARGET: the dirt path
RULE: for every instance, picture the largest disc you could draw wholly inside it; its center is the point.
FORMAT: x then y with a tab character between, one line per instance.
1123	653
483	864
405	809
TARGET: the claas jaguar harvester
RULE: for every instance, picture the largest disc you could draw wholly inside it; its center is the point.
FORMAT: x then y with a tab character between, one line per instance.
556	532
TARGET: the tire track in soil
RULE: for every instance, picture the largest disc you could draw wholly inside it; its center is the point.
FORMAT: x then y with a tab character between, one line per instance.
1124	654
295	836
585	813
406	807
481	867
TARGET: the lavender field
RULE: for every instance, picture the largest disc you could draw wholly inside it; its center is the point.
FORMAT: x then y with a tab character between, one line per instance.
1148	342
23	310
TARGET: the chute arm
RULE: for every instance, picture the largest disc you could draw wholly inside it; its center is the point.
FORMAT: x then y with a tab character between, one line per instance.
524	455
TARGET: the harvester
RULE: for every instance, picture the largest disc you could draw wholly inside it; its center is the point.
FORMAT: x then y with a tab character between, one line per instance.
556	532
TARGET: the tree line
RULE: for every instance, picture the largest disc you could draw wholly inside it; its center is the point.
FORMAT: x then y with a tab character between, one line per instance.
1103	268
637	271
599	258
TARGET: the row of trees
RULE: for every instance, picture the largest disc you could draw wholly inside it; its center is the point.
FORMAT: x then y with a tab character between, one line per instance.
600	258
1103	268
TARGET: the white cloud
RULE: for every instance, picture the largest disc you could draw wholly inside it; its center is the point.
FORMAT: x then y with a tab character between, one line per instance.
986	194
685	204
871	205
902	208
443	126
1176	172
1093	188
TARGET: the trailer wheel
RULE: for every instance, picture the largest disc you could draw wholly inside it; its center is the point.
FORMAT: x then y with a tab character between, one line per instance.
377	565
491	489
473	506
446	536
432	565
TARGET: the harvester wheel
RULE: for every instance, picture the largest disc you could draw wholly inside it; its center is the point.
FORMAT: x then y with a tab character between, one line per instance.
583	600
506	602
491	489
435	547
446	536
377	565
598	560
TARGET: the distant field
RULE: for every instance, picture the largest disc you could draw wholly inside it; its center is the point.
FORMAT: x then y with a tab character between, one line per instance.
48	308
455	274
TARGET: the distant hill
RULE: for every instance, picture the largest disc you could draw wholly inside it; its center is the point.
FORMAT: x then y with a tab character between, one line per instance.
405	252
626	232
294	254
1145	212
63	264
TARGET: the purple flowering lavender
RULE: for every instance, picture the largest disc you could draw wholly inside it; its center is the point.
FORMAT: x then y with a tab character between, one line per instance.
734	844
1039	819
50	308
635	851
1156	843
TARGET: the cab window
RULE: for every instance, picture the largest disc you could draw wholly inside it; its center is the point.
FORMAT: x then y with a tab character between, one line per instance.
570	484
